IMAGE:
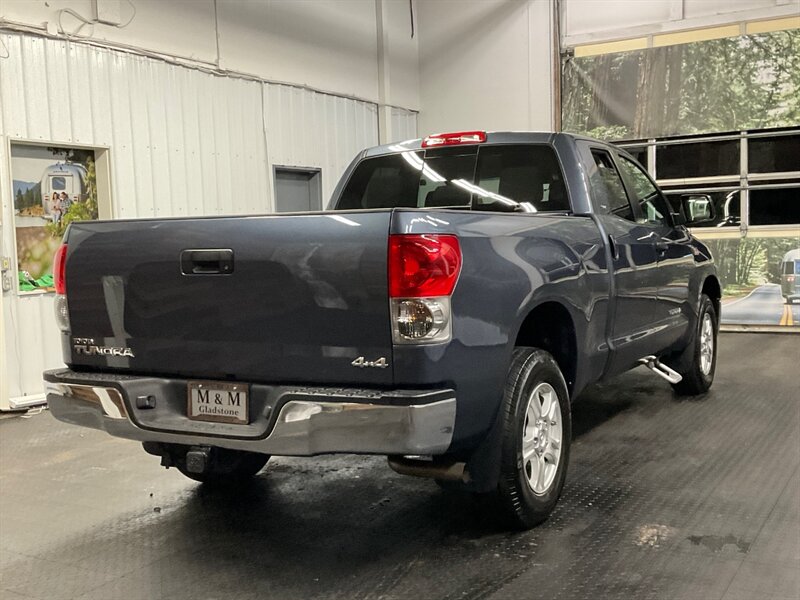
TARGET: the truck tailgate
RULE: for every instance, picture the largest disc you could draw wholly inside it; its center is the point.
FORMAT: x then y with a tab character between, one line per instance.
304	296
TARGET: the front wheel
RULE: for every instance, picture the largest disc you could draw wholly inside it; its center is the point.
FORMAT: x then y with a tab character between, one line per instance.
537	430
701	358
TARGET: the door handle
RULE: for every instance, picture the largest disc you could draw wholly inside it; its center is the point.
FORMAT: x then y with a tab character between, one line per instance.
613	247
207	261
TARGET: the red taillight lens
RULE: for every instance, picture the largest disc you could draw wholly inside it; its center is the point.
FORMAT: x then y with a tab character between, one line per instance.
423	265
452	139
59	269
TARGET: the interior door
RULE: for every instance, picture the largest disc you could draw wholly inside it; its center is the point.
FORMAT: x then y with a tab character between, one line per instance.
297	190
634	261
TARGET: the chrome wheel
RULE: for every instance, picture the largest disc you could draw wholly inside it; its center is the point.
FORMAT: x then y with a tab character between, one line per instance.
706	344
541	438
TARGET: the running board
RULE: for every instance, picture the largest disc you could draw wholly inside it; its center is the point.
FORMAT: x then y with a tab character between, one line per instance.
660	369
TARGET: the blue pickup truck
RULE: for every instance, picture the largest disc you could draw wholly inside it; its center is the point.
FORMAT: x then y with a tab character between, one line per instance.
445	312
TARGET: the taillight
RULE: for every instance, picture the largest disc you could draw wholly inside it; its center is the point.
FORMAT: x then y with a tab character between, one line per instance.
423	271
423	265
60	282
790	279
453	139
59	269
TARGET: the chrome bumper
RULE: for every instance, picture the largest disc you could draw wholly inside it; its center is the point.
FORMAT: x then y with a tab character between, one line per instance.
315	424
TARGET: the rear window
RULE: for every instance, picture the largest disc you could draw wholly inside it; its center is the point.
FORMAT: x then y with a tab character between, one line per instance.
58	183
503	178
791	267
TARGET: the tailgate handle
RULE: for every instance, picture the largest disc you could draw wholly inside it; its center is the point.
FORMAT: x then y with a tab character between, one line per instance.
212	261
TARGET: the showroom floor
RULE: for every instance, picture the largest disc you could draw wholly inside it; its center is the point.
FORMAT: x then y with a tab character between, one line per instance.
665	498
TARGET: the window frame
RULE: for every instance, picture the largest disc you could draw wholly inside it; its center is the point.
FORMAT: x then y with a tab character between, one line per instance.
611	152
630	188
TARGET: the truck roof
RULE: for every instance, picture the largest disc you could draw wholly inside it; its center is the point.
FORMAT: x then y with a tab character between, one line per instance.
492	137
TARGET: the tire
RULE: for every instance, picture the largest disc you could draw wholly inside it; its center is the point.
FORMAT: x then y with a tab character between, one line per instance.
698	374
533	459
226	467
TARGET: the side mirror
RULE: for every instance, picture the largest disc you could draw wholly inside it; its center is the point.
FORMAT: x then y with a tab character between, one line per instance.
697	208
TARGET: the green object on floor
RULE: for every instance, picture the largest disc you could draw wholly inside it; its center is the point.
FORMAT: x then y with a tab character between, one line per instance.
29	285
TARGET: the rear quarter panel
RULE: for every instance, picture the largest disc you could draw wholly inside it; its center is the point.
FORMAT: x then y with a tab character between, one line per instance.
511	264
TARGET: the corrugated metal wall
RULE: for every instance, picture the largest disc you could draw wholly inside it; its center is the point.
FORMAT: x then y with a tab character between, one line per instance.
182	142
309	129
404	125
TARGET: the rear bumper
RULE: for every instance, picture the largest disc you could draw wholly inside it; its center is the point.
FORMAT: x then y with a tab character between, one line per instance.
290	421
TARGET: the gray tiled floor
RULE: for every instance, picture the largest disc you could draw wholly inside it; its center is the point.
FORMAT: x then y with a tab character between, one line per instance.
665	498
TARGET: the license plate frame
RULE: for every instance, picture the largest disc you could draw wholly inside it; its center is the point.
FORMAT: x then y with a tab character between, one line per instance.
225	390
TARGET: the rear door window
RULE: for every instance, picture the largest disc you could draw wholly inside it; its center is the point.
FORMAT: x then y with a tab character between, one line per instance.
524	178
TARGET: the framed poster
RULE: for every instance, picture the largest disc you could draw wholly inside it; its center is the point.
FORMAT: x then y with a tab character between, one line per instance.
52	186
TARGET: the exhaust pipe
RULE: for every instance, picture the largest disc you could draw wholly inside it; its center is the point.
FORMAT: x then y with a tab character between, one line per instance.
450	471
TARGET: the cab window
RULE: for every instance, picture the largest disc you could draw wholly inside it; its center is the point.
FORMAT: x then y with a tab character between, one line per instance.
505	178
608	192
646	194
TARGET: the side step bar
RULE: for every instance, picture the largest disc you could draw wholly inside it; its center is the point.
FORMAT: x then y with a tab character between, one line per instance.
660	369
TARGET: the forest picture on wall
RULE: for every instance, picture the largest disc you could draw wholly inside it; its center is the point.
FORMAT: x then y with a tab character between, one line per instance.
730	84
53	186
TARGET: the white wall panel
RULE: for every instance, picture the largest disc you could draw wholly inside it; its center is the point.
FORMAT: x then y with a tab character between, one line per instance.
485	64
591	16
309	129
32	344
594	21
181	142
329	45
404	125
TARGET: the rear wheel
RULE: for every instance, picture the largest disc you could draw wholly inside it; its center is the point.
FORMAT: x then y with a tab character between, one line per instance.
537	430
701	357
225	467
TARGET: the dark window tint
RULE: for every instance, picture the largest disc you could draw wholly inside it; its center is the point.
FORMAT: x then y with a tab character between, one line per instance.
652	205
509	178
698	159
773	154
727	206
445	179
779	206
383	182
519	174
608	192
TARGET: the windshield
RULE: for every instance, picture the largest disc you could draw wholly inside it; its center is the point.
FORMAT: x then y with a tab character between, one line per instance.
523	178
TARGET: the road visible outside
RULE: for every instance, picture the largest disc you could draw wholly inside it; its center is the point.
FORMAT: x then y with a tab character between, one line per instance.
763	306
